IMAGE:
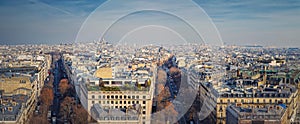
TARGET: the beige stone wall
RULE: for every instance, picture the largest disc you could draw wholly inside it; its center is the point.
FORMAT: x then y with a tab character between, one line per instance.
12	85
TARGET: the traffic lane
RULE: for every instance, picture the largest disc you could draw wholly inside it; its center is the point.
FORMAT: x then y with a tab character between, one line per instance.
56	103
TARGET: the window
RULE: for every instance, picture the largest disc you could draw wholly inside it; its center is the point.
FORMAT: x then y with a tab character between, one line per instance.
99	97
137	102
92	83
120	97
124	102
144	97
107	102
112	97
125	97
221	101
144	112
10	109
257	101
137	97
132	102
22	81
133	97
144	102
116	97
112	102
93	102
120	102
107	97
93	97
270	100
128	102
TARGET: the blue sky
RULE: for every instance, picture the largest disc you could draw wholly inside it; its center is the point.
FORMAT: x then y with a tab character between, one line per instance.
263	22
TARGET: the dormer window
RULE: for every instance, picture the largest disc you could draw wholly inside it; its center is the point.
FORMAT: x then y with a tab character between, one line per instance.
10	109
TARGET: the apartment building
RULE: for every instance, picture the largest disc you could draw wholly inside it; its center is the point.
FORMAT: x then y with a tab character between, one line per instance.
121	92
254	90
18	98
21	81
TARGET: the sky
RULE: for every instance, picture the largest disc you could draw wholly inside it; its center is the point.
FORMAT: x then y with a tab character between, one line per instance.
255	22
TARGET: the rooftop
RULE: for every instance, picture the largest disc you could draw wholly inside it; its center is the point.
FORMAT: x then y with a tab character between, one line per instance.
268	112
131	113
11	106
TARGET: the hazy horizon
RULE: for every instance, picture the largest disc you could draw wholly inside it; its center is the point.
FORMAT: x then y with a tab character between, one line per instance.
265	23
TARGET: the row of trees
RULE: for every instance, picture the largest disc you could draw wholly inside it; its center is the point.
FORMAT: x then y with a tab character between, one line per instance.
69	109
45	99
164	106
163	97
73	112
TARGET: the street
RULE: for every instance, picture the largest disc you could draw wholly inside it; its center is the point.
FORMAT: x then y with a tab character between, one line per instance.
59	73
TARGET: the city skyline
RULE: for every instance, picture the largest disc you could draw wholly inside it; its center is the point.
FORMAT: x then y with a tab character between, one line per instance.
149	62
264	23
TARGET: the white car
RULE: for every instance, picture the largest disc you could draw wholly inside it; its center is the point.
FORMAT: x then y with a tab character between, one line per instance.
53	120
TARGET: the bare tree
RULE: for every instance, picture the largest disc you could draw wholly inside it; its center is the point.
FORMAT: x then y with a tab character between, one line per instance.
161	76
64	86
170	112
47	95
81	115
